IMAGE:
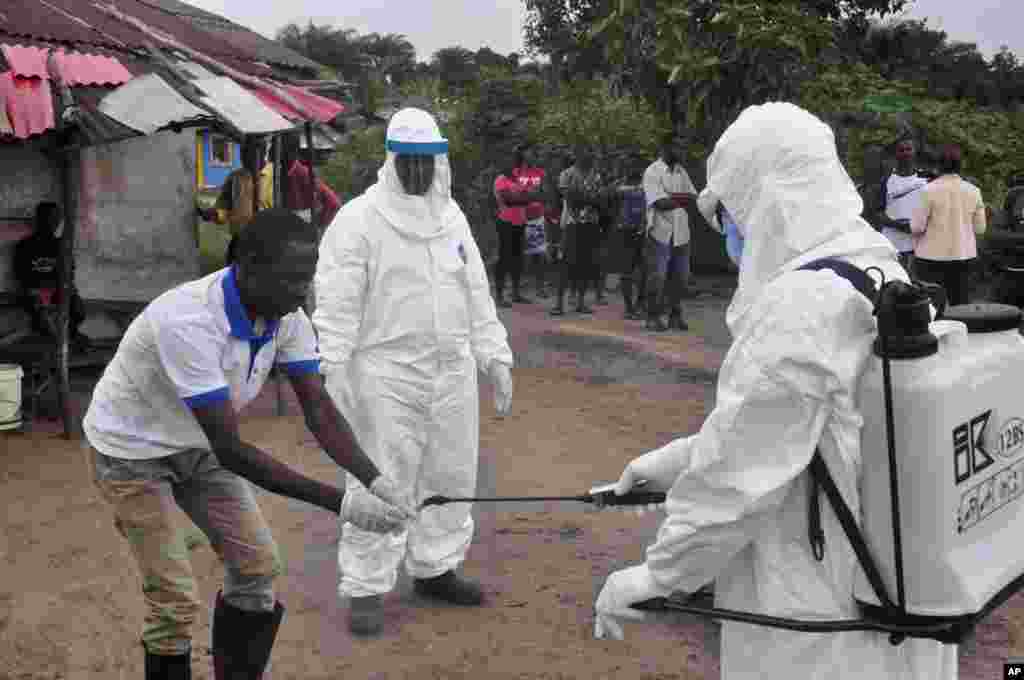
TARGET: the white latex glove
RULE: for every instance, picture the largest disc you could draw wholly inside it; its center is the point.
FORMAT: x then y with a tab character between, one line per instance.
501	380
383	488
369	513
659	468
622	589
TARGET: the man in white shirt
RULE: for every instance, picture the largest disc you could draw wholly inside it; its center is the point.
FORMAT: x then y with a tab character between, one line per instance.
669	192
163	430
901	195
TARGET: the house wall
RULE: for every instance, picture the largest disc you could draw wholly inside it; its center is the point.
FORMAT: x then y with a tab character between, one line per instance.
212	174
136	233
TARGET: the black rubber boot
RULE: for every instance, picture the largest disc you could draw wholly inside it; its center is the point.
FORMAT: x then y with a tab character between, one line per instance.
366	615
159	667
450	588
242	640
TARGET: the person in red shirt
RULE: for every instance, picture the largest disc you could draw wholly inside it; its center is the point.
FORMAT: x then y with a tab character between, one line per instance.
297	186
513	198
531	177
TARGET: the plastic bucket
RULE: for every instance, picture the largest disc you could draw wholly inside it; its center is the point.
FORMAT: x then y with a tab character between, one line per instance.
10	396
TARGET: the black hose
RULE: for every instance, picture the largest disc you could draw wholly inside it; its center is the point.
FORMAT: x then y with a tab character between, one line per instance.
940	630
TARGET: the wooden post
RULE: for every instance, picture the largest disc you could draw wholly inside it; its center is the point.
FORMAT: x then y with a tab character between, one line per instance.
66	268
312	174
313	212
257	184
279	172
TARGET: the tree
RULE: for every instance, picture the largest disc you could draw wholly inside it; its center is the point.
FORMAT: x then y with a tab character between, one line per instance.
487	58
338	49
717	57
390	55
558	29
456	67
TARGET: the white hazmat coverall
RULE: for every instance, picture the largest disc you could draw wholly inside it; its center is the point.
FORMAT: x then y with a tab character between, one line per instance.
737	503
405	319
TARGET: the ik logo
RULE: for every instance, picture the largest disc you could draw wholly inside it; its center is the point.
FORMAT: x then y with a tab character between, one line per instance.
970	454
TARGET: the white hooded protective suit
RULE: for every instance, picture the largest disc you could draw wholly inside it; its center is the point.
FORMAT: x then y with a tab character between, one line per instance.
737	512
405	318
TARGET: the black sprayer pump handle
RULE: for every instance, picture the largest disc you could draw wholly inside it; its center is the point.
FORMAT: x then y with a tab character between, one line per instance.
632	498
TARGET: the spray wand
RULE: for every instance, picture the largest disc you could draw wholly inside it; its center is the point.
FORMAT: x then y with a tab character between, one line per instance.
602	496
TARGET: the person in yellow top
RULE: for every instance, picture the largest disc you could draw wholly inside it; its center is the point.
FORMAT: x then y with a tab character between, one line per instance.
945	226
235	204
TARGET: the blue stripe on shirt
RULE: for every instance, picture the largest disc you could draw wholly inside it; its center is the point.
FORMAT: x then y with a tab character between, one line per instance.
301	367
207	398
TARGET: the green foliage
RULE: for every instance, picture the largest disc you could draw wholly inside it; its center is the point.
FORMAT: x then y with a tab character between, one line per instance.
585	113
992	140
352	168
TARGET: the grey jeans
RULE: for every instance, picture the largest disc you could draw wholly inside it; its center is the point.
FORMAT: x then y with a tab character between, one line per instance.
142	494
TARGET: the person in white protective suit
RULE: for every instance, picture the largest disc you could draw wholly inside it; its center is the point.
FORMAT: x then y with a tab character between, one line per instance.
405	320
737	489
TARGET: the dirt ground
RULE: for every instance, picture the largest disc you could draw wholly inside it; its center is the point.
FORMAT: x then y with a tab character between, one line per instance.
590	394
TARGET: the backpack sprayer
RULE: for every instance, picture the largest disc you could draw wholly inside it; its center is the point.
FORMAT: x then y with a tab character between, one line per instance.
948	511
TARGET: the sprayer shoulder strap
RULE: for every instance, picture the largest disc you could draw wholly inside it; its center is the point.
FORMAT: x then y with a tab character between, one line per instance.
820	479
857	277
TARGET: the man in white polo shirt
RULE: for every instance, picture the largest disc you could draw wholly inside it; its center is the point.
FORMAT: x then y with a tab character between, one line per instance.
669	192
163	430
901	194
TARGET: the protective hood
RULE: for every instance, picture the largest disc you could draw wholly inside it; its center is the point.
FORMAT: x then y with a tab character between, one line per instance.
777	171
414	131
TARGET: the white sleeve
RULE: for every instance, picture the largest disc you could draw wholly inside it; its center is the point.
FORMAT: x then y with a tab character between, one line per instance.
654	188
488	336
296	350
190	348
772	406
340	284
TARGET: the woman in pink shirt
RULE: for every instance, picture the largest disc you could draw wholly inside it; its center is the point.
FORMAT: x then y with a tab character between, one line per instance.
945	227
513	198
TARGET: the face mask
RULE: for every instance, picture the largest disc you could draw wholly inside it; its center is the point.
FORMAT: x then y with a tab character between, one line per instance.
733	239
415	172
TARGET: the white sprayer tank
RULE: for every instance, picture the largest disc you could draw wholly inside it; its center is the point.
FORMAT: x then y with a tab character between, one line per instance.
959	436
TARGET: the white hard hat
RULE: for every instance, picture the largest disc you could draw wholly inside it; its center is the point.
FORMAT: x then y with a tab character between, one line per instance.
415	132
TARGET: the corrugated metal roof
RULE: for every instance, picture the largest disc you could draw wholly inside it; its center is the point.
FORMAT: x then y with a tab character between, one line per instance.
74	68
26	62
322	109
243	110
88	69
268	50
28	103
148	103
96	126
85	21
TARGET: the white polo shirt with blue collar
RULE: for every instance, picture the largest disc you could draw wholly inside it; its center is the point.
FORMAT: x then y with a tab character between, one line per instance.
192	346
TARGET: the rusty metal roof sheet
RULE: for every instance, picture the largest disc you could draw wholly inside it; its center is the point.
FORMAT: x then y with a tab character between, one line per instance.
322	109
239	36
99	22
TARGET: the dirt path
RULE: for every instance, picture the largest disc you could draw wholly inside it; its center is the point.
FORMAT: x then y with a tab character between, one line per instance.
590	394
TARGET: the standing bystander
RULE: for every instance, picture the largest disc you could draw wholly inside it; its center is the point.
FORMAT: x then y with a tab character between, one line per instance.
946	223
900	195
669	193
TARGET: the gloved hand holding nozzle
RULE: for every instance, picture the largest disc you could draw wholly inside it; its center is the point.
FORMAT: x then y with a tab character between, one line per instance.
381	508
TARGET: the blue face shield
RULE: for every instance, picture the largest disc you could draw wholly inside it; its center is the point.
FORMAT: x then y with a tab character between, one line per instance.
733	239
